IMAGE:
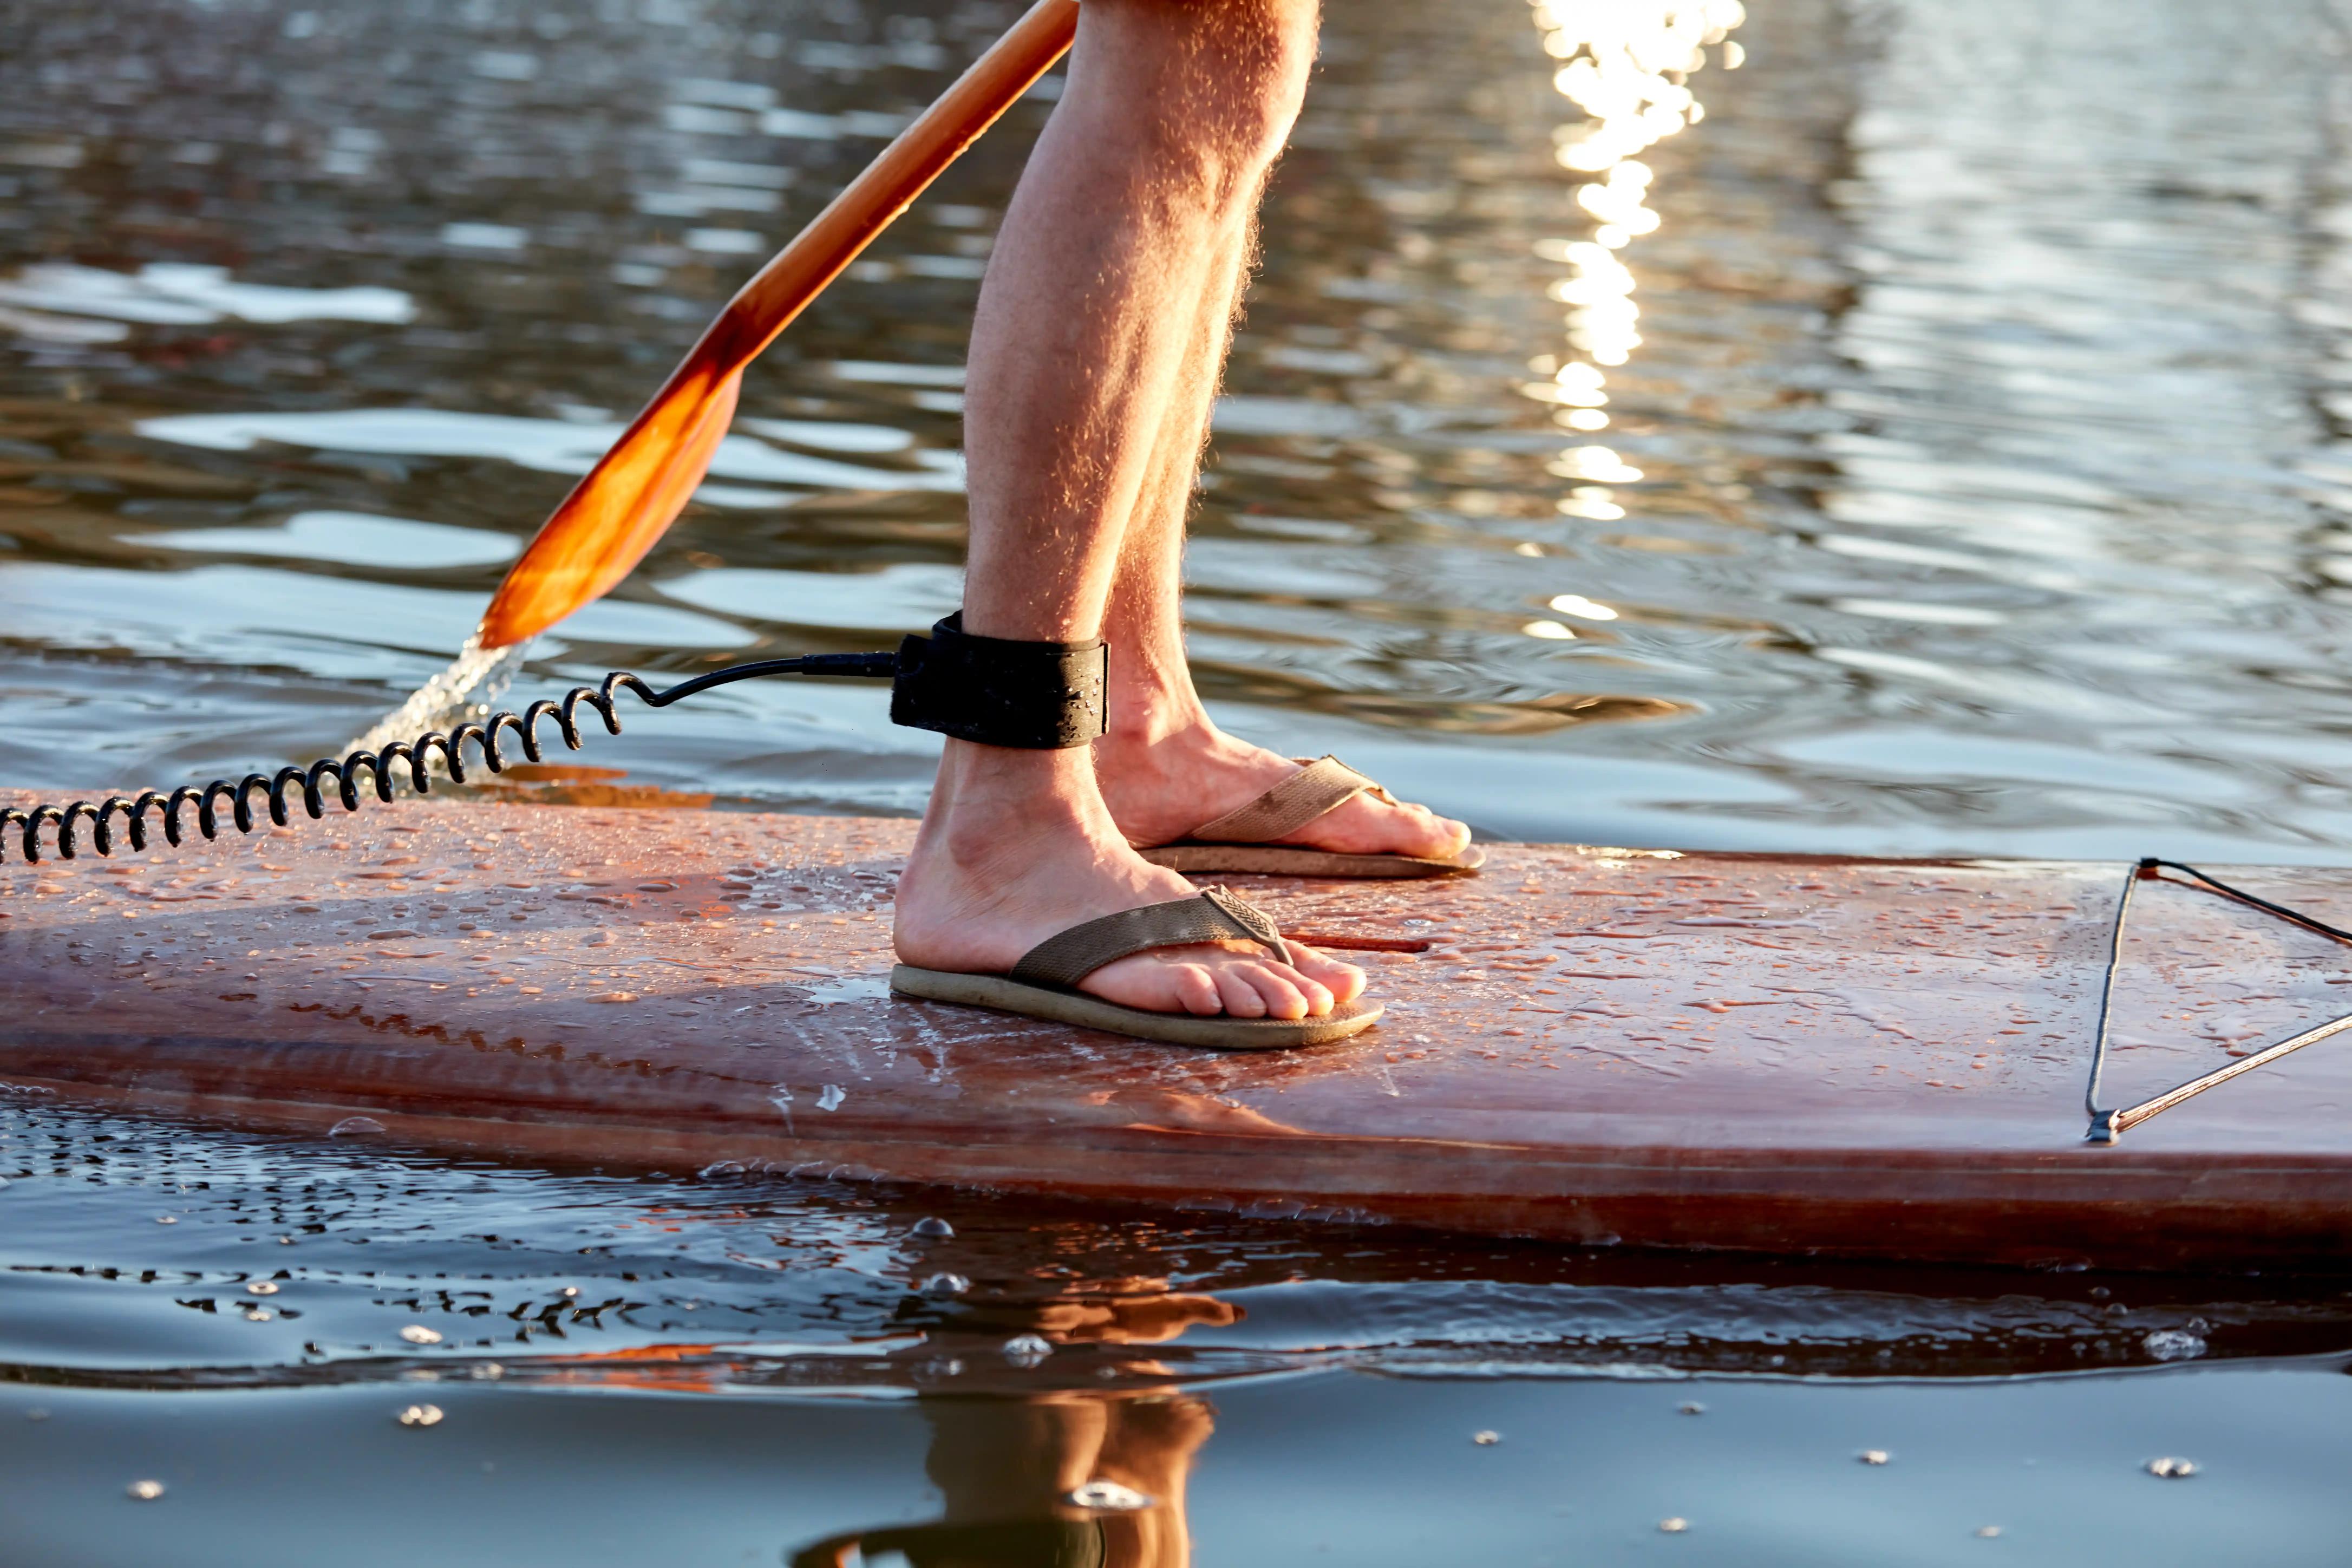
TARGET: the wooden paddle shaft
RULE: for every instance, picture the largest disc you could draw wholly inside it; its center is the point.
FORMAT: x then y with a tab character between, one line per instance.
779	291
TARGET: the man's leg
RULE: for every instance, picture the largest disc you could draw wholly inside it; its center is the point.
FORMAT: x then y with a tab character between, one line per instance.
1165	767
1174	111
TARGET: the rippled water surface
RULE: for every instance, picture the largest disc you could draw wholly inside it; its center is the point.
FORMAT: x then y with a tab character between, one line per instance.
1921	427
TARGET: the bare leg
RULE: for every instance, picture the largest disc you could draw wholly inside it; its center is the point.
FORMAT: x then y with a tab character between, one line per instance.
1165	767
1174	111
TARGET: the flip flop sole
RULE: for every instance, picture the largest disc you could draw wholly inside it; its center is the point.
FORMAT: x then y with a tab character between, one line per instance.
1285	861
1217	1034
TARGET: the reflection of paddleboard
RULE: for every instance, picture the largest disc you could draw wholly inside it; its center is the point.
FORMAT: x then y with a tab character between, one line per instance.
1856	1057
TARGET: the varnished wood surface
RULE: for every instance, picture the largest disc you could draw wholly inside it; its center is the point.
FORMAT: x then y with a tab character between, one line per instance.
1853	1058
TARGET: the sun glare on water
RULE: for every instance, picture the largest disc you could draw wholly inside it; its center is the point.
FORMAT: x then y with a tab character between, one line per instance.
1627	65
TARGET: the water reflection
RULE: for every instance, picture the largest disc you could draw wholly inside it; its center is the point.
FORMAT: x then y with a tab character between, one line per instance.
1068	1481
1932	372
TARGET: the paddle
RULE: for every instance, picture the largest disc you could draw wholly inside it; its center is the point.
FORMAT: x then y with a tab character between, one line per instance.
636	490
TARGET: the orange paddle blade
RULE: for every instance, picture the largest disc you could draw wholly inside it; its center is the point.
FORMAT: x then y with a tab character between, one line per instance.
636	490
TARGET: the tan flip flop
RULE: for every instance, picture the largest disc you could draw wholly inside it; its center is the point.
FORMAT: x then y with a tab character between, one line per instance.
1239	842
1043	985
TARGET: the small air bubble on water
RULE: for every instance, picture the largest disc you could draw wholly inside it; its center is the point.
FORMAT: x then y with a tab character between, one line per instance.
941	1287
1486	1440
2172	1469
418	1334
2173	1344
931	1229
355	1127
1873	1456
831	1097
1673	1526
1108	1497
145	1492
1026	1350
261	1288
1987	1531
488	1372
167	1220
421	1416
259	1315
1690	1407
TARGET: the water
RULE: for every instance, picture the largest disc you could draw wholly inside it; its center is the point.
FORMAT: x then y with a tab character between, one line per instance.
1972	472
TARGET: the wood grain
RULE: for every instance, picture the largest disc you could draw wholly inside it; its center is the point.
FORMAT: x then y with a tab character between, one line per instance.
1846	1058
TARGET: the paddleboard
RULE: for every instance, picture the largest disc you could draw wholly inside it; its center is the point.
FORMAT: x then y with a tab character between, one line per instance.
1599	1046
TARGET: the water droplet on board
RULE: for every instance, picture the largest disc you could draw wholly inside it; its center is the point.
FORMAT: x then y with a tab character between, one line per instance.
941	1287
1026	1350
2174	1345
421	1416
1873	1456
145	1492
355	1127
1108	1497
418	1334
2172	1469
1673	1526
931	1229
1486	1440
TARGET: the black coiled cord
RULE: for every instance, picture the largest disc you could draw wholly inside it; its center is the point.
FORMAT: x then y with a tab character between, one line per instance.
381	765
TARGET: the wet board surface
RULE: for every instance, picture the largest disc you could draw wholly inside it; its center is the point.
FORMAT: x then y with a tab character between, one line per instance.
1845	1057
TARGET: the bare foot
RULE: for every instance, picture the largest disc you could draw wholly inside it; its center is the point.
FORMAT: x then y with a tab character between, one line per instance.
1160	790
1017	847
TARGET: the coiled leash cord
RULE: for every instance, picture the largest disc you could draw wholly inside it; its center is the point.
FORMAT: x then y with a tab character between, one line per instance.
2107	1126
1036	695
413	759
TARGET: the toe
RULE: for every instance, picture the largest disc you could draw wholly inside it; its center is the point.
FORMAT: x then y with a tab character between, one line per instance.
1242	999
1277	990
1344	982
1196	989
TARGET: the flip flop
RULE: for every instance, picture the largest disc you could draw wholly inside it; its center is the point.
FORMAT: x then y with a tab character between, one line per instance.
1043	985
1239	843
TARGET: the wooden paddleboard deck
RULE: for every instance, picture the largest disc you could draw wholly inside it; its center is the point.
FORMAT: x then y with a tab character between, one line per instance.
1863	1058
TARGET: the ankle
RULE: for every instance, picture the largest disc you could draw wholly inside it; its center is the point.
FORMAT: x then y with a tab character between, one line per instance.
1141	716
989	797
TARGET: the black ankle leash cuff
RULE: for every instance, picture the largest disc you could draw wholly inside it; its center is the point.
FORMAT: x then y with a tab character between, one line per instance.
1035	696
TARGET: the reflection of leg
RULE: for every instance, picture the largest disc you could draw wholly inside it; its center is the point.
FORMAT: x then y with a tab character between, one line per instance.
1004	1466
1001	1458
1149	1446
1165	767
1174	111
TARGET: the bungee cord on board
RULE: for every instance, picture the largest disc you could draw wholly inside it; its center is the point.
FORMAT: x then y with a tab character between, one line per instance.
2109	1126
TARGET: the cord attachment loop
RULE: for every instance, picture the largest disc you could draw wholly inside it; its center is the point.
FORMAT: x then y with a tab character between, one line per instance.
1033	696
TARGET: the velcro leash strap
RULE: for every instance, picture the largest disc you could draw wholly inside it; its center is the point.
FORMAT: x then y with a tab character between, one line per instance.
1034	696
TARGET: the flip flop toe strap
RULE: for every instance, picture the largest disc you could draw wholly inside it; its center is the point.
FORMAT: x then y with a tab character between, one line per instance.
1216	915
1322	786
